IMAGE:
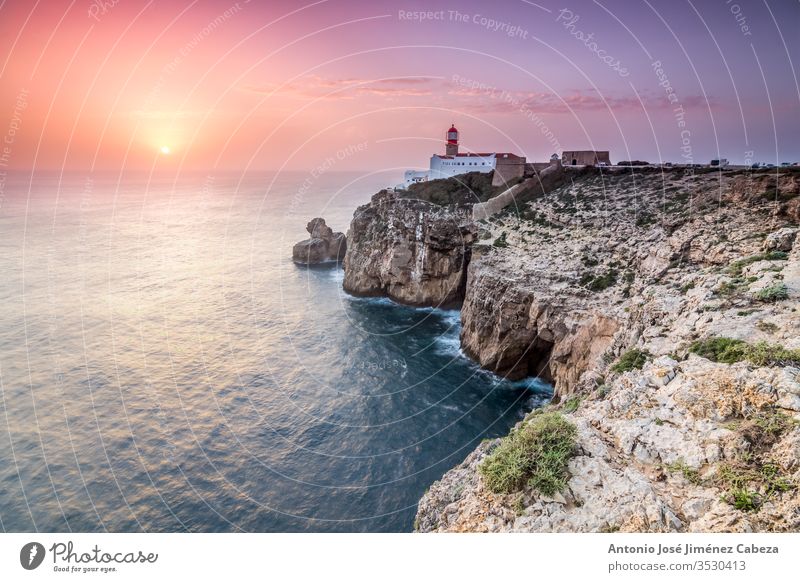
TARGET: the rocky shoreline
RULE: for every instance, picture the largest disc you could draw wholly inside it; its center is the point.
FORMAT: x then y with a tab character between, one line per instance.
662	304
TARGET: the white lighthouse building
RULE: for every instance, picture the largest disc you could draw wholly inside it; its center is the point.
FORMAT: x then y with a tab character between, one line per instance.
453	163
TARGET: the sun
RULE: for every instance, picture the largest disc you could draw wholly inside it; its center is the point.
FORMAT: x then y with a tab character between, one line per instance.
165	150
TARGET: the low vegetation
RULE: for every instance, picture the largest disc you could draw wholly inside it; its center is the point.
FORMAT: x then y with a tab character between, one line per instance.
463	189
631	360
690	474
751	478
767	326
500	242
600	282
777	292
572	404
736	267
534	455
729	351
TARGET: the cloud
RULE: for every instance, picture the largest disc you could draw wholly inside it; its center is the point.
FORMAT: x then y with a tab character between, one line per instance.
472	97
483	100
351	88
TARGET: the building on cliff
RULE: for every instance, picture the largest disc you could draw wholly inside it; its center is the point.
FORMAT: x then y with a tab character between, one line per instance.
506	166
585	158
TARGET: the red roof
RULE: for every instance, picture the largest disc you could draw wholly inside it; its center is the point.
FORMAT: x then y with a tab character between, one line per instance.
478	155
452	128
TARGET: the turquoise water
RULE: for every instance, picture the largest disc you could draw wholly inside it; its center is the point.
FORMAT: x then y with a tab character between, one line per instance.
164	365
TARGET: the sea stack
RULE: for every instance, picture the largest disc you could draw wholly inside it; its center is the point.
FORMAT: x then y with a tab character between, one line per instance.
323	246
409	250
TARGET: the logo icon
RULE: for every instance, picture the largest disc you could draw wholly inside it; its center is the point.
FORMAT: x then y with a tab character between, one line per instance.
31	555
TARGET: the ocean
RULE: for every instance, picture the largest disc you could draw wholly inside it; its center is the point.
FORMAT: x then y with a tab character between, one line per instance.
164	366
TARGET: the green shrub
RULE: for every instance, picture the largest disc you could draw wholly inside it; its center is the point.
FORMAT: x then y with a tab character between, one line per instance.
777	292
730	287
743	499
535	455
599	283
777	256
719	349
631	360
500	241
729	351
737	266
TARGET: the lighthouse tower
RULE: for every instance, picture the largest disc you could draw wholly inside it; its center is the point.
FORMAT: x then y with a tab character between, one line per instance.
451	149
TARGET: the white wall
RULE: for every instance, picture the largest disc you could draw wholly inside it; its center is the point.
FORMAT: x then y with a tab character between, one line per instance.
445	168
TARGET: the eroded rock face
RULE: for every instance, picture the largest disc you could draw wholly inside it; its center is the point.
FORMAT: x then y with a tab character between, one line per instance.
517	329
649	458
599	267
323	246
411	251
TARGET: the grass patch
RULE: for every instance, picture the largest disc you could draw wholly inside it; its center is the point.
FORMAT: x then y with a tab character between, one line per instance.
751	478
631	360
571	404
535	455
729	351
736	267
690	474
777	292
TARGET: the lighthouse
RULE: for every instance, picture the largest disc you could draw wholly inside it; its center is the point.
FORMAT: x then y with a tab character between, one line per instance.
451	148
505	165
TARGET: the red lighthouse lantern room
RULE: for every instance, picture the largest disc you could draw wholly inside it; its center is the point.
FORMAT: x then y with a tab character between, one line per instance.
452	135
452	141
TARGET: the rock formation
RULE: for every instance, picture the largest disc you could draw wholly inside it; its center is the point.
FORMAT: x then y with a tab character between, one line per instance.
409	250
653	455
323	246
624	287
652	262
516	328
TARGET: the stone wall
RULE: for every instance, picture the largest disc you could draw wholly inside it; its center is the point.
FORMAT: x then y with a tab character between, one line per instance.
585	158
551	177
507	169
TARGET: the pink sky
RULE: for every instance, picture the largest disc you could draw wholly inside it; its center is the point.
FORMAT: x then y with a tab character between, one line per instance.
272	85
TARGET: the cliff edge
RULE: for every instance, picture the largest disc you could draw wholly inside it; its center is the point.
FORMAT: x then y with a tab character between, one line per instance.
410	250
664	306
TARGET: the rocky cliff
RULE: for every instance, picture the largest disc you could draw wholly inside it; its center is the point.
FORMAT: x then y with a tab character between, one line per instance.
664	307
412	251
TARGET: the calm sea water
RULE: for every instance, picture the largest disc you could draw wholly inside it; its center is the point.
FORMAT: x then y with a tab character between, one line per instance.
164	366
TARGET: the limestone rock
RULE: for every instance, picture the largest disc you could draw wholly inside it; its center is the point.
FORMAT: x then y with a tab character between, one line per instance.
409	250
780	240
654	262
323	246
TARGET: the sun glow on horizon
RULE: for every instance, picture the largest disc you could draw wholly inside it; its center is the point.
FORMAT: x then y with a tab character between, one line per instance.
165	150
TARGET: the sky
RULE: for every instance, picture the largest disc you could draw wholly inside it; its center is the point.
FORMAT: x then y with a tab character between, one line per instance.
370	86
